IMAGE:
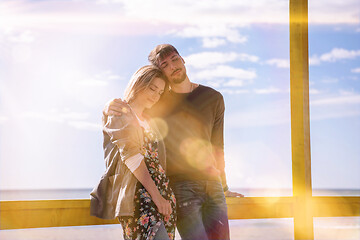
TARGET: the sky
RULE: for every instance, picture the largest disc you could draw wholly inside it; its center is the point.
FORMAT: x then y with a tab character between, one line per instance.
61	61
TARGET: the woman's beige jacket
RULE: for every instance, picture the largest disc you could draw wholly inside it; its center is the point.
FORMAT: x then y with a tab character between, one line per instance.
123	138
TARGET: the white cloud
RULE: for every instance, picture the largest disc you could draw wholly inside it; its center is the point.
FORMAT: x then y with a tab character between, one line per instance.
332	113
339	53
235	83
278	112
108	1
314	91
108	75
213	42
243	171
334	55
3	119
77	120
224	71
100	80
346	92
267	90
260	11
215	22
55	115
215	83
280	63
334	12
314	60
337	100
355	70
343	105
330	80
92	83
84	125
215	32
207	59
247	57
233	91
269	114
18	36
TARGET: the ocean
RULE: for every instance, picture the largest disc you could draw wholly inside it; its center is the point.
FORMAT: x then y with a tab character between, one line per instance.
331	228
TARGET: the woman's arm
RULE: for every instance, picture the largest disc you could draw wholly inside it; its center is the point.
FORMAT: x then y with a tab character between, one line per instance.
123	133
143	175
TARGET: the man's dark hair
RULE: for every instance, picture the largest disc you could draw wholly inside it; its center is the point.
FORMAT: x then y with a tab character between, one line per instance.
160	52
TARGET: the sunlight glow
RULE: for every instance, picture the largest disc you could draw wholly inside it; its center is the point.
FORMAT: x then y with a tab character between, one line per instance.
198	153
161	125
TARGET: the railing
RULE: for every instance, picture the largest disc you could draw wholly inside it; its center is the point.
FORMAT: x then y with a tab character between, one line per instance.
59	213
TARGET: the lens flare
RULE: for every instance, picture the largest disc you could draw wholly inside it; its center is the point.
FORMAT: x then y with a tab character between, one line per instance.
161	125
199	154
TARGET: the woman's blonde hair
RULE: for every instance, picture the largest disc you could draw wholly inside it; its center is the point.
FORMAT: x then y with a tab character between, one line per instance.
141	80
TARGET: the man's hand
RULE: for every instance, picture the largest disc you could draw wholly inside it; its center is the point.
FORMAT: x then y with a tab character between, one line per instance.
115	107
233	194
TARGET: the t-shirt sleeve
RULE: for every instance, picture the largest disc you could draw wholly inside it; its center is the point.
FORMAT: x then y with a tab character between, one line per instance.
217	139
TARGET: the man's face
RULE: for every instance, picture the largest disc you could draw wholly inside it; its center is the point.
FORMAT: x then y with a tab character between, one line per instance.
173	67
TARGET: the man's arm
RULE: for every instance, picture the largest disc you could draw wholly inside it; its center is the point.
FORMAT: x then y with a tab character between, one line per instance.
217	139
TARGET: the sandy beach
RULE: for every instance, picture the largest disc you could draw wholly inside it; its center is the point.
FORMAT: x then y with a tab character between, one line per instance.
344	228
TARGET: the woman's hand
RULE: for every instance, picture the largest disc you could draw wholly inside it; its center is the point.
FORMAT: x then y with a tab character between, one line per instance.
163	205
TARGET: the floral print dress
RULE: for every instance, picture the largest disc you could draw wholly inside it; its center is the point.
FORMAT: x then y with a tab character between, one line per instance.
147	220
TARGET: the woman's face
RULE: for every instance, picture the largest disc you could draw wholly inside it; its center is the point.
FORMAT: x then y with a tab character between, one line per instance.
151	95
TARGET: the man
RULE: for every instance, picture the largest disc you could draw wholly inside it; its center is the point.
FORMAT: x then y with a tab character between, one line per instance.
194	117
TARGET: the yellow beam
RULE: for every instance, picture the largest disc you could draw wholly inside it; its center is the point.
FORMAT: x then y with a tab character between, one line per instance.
47	213
336	206
59	213
260	207
300	119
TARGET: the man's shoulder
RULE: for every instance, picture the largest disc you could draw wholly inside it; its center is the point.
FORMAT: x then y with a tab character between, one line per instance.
209	90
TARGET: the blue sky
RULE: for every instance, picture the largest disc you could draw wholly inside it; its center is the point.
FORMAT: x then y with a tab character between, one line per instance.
61	61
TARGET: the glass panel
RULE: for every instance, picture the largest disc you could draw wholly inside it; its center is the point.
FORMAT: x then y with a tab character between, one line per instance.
272	228
334	52
344	228
264	229
58	71
104	232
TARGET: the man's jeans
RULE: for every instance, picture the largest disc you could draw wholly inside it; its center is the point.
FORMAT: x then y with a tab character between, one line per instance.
161	234
201	210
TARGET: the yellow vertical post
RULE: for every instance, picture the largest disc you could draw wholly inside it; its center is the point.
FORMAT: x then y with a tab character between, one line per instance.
300	120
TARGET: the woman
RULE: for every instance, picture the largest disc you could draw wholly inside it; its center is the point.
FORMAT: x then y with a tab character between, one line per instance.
134	187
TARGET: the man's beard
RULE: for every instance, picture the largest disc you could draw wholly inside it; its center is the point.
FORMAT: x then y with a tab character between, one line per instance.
179	79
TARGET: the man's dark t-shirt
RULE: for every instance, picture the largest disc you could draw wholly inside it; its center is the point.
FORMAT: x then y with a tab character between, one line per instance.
193	133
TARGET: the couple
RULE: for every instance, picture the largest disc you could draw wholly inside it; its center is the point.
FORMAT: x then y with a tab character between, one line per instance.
164	115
